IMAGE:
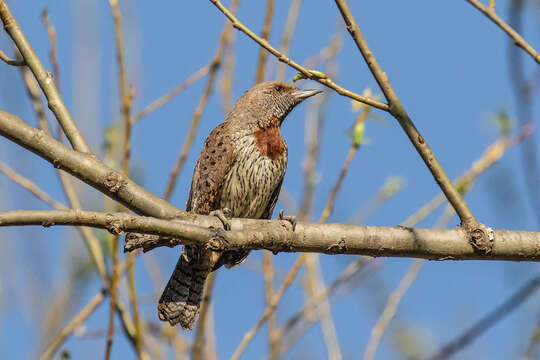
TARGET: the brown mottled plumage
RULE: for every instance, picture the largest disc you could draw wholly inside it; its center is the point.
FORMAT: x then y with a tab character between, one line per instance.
240	168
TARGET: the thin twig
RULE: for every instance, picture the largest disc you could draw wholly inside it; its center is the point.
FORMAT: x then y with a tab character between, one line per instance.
290	24
283	58
30	186
44	79
397	110
126	99
210	350
270	309
73	325
490	156
199	110
156	104
227	75
51	33
297	324
323	311
315	113
268	276
10	61
312	260
265	34
523	95
328	52
389	311
532	348
90	240
391	187
518	40
480	327
344	169
198	342
332	198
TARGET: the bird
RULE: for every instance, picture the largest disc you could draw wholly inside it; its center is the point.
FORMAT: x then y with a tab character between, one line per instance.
239	174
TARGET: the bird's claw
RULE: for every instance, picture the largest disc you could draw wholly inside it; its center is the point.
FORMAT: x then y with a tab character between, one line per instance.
291	219
222	216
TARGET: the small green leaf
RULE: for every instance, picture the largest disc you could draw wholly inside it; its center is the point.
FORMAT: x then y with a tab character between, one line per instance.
357	133
392	185
463	187
503	121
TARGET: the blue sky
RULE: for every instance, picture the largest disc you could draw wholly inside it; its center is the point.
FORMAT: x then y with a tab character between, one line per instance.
447	63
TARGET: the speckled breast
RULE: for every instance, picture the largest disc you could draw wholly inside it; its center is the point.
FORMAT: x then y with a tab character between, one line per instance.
252	180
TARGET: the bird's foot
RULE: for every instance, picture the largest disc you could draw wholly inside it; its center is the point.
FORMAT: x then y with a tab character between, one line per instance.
222	215
291	219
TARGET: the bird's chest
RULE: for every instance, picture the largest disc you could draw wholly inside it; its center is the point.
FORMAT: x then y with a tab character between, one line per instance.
261	161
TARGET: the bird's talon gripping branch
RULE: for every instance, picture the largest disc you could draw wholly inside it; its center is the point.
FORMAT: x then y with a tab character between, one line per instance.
291	219
221	215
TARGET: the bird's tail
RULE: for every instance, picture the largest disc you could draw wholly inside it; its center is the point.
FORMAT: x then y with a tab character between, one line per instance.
181	299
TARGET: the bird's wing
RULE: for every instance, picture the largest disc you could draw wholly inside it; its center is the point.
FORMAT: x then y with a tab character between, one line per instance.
213	165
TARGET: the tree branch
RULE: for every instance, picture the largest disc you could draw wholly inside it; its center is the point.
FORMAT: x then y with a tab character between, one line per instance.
307	73
518	40
45	80
481	236
277	236
10	61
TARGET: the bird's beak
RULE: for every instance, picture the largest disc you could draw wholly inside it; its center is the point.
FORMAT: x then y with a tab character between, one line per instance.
301	95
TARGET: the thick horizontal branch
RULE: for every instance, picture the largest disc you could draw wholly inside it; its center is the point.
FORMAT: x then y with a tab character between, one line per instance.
277	236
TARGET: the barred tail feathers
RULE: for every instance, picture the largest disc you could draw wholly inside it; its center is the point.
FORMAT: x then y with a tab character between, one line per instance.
181	299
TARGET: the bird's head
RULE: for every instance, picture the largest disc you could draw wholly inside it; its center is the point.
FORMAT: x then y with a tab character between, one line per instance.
268	103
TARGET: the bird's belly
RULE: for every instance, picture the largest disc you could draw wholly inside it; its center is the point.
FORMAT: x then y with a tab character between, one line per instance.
251	182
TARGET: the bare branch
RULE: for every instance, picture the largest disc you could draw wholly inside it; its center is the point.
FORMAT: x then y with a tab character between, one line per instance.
393	301
397	110
86	168
489	320
172	94
290	23
44	79
73	325
283	58
265	34
51	33
277	236
198	342
271	308
30	186
518	40
10	61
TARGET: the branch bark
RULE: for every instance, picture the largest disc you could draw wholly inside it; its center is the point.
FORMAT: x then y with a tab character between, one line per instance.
277	236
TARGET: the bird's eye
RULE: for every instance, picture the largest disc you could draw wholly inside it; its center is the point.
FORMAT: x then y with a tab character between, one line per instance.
279	87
